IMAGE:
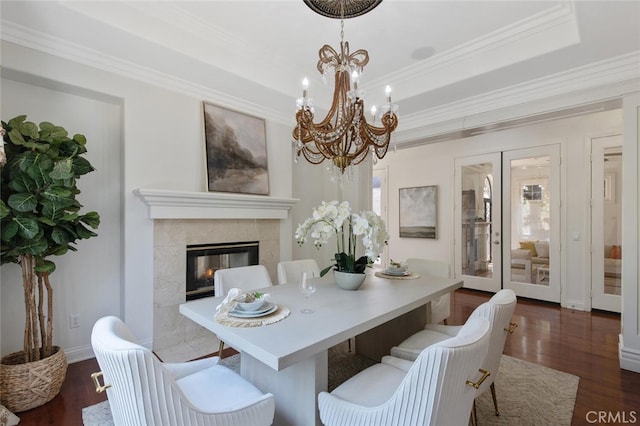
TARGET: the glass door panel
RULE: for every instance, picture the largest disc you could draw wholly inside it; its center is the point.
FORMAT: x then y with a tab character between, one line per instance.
531	266
478	256
606	223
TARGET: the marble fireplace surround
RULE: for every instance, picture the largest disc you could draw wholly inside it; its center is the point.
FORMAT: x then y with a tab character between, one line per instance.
184	218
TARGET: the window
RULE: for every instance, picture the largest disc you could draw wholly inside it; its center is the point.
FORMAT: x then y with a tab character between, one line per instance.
532	192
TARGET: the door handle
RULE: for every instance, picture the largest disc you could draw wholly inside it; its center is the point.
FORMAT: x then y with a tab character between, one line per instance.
496	242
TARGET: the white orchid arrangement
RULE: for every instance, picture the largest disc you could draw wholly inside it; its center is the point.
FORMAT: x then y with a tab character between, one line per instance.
333	218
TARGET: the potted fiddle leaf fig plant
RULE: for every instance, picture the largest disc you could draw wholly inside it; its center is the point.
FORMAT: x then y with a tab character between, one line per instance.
40	218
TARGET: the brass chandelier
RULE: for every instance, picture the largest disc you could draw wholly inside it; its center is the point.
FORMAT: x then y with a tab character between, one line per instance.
344	136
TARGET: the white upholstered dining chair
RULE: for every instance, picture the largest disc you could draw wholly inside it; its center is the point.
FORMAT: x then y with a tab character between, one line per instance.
437	389
143	391
440	308
498	311
289	271
245	278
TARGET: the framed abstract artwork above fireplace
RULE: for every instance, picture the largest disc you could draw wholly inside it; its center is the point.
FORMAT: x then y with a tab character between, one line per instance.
236	151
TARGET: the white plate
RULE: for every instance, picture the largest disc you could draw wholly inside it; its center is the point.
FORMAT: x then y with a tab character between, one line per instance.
397	273
268	309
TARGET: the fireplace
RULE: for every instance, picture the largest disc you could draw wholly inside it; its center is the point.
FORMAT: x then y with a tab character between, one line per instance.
204	259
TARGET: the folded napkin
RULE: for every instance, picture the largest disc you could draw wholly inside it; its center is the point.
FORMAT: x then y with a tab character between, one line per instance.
229	299
235	294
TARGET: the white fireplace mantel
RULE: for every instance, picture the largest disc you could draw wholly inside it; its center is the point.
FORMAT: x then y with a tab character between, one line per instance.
165	204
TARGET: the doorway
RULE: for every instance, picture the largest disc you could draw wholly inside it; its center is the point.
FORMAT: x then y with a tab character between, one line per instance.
508	221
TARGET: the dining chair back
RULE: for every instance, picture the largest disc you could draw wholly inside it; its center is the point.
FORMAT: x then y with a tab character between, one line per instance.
245	278
498	311
440	308
143	391
438	388
289	271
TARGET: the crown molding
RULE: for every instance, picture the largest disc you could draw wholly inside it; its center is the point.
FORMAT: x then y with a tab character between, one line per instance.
598	81
65	49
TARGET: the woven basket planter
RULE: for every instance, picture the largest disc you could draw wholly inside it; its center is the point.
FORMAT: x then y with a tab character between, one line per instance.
24	386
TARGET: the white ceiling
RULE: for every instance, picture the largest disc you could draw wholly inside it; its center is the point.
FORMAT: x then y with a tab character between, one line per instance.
443	59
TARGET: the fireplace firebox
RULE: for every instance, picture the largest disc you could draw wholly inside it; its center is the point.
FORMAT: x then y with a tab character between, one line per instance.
203	260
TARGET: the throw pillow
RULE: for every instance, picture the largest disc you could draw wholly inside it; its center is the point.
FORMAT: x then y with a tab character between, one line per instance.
616	252
529	245
7	418
542	249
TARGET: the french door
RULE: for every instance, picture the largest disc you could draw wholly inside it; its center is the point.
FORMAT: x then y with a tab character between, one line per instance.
531	223
478	207
606	223
508	205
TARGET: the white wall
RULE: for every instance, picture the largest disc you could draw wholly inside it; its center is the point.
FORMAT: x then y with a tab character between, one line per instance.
86	282
160	145
433	165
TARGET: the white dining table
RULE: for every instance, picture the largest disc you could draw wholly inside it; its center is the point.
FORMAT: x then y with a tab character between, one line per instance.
289	358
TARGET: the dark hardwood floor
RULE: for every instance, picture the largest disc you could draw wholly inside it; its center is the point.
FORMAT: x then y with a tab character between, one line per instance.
580	343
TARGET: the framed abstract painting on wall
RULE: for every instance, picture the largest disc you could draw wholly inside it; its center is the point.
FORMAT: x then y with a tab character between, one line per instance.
236	150
418	212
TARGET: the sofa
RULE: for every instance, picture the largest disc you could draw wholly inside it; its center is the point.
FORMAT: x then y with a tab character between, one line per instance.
527	259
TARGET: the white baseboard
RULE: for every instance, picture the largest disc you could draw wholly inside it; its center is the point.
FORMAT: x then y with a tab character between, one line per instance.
81	353
577	305
629	357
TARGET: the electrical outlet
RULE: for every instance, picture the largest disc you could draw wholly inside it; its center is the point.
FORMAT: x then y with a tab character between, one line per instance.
74	321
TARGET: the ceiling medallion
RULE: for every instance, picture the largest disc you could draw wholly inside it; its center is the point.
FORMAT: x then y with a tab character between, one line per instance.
343	136
334	9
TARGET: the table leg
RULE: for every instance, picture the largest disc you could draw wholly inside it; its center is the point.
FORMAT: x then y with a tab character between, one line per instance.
295	388
377	342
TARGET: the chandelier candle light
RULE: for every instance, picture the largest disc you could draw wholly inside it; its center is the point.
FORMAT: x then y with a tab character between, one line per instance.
343	136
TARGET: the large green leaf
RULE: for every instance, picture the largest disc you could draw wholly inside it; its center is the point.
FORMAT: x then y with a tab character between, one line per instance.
28	227
29	129
35	247
92	219
16	121
58	195
81	166
62	169
16	137
60	236
52	210
9	230
40	169
45	267
53	130
22	183
22	202
84	233
4	210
